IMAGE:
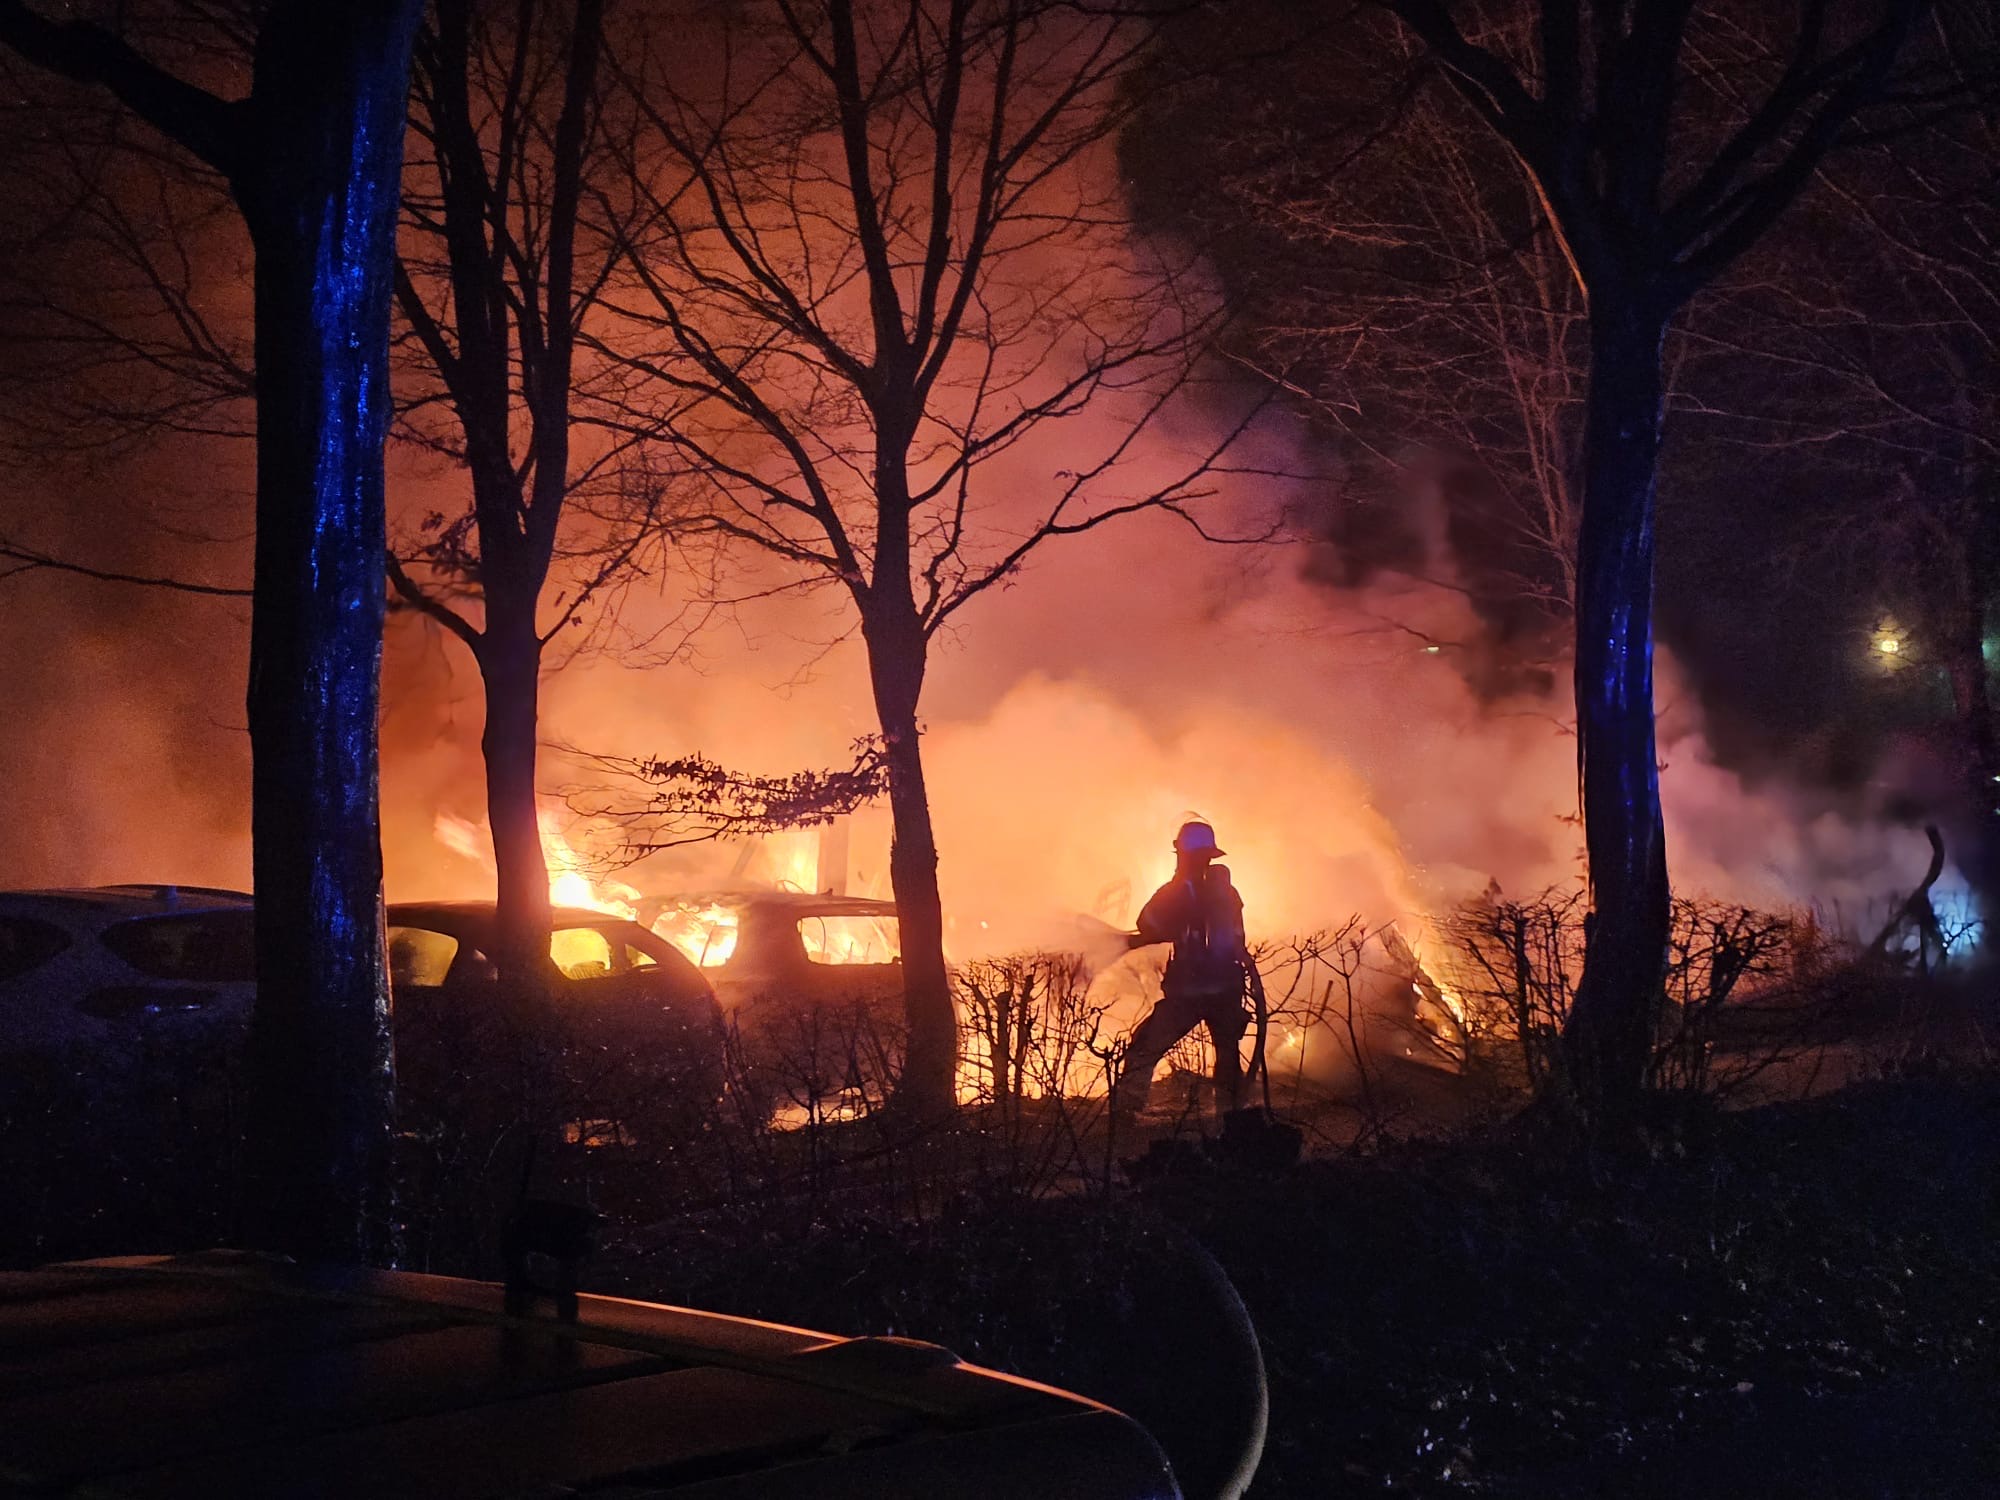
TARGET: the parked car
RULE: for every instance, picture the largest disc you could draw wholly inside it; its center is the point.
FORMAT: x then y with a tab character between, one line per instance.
87	972
626	1038
812	984
85	968
444	945
232	1375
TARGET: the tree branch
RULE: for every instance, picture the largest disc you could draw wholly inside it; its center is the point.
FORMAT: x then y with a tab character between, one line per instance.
29	561
213	129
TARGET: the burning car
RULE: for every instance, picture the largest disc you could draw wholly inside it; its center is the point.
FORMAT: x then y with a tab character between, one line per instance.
808	946
813	987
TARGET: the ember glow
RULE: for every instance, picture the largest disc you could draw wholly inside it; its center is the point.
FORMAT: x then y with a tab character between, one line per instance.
705	933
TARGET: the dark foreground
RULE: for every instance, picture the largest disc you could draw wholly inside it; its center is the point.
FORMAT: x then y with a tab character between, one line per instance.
1797	1300
225	1375
1802	1299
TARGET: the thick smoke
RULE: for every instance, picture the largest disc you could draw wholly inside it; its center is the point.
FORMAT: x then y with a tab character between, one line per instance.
1136	676
123	751
1129	678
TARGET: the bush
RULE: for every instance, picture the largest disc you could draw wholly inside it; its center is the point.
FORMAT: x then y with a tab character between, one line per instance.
1514	967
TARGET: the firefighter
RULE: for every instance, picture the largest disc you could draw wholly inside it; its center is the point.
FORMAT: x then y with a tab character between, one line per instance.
1200	913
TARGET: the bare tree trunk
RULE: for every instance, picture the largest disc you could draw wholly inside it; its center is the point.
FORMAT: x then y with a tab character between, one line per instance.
1976	551
510	665
1978	856
930	1060
1610	1025
320	196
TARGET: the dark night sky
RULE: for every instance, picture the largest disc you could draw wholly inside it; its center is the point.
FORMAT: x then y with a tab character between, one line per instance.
1772	565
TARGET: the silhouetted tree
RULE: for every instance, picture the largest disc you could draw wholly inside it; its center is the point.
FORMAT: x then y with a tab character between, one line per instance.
874	249
312	155
492	289
1607	108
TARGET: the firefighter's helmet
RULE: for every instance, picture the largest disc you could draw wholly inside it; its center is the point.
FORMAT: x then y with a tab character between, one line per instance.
1197	838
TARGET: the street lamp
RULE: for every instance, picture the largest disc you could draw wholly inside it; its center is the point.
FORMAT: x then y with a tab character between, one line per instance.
1890	646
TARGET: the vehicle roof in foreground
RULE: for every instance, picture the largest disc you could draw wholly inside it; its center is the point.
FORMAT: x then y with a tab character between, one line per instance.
234	1375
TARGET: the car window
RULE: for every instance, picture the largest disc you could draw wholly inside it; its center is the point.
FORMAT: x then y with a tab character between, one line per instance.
418	956
638	958
27	943
215	946
581	952
851	939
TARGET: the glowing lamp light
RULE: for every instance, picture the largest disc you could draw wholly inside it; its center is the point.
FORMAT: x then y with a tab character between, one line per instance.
1891	645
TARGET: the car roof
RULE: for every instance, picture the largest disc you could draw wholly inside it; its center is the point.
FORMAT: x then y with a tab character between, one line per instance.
227	1374
799	903
483	913
132	900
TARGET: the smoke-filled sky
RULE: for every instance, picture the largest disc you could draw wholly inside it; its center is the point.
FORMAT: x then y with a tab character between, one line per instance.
1130	678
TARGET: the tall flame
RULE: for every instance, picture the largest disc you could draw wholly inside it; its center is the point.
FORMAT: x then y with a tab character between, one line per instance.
571	882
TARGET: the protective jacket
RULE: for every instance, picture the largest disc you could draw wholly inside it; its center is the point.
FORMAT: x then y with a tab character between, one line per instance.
1202	916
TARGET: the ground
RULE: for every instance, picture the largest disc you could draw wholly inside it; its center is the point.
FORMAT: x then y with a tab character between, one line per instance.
1795	1299
1801	1299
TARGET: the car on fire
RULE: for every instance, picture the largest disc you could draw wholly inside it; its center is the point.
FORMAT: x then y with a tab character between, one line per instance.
811	946
812	985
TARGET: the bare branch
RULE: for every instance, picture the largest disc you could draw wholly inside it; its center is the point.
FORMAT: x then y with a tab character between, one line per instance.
28	560
215	130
